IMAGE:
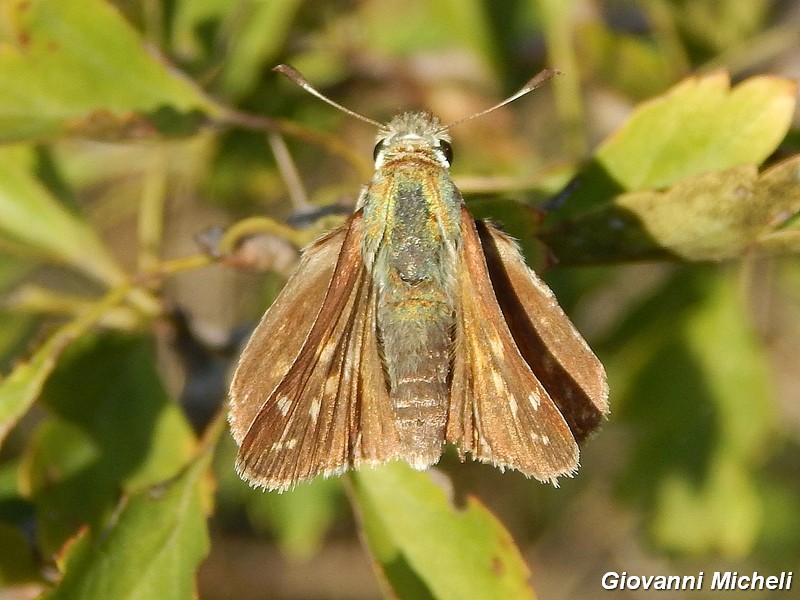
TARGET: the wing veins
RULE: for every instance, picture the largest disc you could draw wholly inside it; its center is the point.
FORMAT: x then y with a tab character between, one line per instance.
492	416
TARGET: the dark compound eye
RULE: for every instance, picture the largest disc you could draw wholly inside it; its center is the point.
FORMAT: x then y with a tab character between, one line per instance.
447	150
379	147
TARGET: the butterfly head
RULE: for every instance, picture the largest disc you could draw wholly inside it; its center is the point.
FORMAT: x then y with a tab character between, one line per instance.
413	133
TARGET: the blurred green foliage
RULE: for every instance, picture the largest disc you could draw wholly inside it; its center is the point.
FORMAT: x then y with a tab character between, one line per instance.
128	128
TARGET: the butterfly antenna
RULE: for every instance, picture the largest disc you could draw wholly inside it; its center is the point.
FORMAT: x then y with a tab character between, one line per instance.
536	81
297	77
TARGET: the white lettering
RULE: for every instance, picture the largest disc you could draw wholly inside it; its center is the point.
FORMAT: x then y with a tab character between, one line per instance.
665	583
722	581
757	580
610	580
690	582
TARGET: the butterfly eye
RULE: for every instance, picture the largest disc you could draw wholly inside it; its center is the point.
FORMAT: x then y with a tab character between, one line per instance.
447	150
379	147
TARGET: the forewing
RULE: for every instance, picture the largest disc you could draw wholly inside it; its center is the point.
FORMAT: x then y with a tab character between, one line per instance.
548	341
328	409
283	329
499	411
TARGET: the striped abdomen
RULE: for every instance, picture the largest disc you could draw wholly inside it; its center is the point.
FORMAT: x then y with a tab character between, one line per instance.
415	271
416	328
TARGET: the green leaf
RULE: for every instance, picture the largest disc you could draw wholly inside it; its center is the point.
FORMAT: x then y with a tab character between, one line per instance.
36	222
114	429
23	385
712	216
782	242
780	190
20	389
84	71
426	548
699	126
150	549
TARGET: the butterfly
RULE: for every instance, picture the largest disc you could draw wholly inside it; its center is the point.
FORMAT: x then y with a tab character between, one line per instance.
411	326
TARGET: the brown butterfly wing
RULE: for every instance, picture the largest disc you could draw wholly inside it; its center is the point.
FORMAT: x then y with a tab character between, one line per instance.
500	412
326	408
556	352
277	340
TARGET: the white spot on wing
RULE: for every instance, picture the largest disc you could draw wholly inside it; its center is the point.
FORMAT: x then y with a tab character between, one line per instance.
331	385
497	379
314	410
281	366
283	404
497	346
281	445
327	353
545	440
512	403
534	400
